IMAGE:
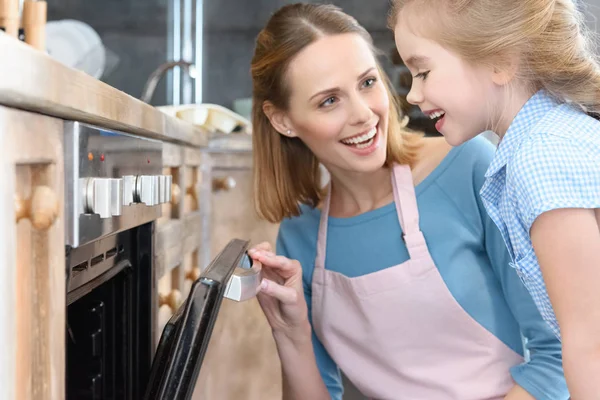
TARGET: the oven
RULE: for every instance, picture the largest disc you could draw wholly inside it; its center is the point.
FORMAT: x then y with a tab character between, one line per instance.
114	190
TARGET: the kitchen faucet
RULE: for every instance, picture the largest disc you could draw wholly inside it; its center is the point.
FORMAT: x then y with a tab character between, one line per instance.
155	76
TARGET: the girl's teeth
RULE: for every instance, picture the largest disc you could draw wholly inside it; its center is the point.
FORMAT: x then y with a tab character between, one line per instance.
436	114
359	141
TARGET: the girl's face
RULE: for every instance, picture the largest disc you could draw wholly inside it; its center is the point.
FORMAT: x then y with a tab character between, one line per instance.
338	105
462	98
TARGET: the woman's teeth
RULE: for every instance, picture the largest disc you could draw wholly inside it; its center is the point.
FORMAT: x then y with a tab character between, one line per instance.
437	114
362	141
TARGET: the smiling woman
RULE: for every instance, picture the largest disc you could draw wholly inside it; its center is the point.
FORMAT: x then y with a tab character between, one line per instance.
392	273
344	97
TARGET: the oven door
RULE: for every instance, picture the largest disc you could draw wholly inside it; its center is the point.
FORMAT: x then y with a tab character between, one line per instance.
185	338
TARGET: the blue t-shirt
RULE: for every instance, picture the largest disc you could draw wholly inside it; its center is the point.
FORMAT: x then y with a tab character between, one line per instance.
467	249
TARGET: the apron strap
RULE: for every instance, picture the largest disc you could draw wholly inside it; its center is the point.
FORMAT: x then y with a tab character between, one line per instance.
322	235
407	210
405	199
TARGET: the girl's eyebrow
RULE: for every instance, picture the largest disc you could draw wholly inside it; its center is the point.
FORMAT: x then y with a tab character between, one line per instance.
416	61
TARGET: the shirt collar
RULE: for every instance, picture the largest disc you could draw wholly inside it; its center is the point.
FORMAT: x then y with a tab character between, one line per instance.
532	112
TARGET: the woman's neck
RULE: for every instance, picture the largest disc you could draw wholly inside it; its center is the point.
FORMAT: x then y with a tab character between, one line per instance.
356	193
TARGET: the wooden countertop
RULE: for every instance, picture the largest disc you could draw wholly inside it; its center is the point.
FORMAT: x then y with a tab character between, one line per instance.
31	80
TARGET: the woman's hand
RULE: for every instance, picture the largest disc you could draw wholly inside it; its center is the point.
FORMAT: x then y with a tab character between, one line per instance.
281	295
282	299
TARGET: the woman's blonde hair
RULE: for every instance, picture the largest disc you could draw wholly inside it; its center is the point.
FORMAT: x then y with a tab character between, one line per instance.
547	37
286	172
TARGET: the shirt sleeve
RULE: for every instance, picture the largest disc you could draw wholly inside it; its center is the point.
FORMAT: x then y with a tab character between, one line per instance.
327	367
551	172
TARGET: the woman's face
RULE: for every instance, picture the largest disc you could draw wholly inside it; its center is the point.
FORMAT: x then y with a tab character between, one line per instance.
339	106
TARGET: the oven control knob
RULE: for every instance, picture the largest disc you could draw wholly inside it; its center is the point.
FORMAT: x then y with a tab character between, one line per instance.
102	196
164	188
147	190
129	189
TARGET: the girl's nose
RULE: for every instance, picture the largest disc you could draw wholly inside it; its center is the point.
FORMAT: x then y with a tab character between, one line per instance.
415	95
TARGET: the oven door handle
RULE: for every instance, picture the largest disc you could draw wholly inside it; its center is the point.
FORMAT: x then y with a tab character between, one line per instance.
244	284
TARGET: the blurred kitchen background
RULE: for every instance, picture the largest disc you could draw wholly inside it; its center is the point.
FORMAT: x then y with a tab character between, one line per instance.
129	44
124	41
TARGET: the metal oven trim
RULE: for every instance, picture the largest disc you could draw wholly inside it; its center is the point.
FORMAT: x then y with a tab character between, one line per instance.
110	158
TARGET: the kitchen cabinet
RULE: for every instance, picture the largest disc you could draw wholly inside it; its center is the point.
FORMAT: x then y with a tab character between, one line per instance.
178	231
213	203
241	361
32	276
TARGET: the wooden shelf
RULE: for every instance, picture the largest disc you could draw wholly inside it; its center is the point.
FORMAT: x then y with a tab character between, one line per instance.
33	81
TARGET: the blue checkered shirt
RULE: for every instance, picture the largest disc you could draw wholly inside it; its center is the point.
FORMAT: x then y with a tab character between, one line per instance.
548	159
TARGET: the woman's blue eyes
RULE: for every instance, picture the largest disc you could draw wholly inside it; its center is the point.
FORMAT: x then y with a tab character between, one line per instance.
328	102
370	81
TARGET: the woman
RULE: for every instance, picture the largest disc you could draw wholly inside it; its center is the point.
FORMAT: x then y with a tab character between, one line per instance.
392	273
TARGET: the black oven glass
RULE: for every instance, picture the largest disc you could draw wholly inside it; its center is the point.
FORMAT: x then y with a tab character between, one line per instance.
186	336
109	322
109	329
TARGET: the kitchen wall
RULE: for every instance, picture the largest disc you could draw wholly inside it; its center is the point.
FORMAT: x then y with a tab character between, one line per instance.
231	27
592	14
134	32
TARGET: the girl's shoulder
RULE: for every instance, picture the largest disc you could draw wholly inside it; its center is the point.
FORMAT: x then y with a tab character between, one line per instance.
556	166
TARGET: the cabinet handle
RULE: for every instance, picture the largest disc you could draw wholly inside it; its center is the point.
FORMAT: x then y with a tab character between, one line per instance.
224	184
193	274
175	194
34	23
192	192
172	299
9	17
41	208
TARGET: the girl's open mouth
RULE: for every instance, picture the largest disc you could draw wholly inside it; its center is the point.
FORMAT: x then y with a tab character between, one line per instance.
438	117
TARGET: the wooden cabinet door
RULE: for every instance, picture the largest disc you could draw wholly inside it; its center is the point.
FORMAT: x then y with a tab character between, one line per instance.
241	360
32	274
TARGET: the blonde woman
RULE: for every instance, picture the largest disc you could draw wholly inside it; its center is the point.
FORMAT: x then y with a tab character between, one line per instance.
524	69
392	273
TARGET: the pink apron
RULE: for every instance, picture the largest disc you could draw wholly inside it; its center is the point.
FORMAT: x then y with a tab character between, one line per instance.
399	333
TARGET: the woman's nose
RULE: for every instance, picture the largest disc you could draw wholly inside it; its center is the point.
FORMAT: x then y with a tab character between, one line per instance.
361	111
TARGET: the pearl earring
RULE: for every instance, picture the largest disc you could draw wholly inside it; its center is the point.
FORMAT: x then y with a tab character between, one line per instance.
289	132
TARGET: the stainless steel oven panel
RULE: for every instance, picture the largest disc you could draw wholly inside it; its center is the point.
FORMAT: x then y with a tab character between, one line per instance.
104	173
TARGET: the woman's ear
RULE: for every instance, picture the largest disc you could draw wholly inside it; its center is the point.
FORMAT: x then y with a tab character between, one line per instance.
278	119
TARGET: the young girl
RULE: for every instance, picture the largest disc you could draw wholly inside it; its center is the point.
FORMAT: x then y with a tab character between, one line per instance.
524	69
393	273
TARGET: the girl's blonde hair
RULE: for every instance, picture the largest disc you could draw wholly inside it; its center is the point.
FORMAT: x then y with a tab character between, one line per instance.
547	37
286	172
